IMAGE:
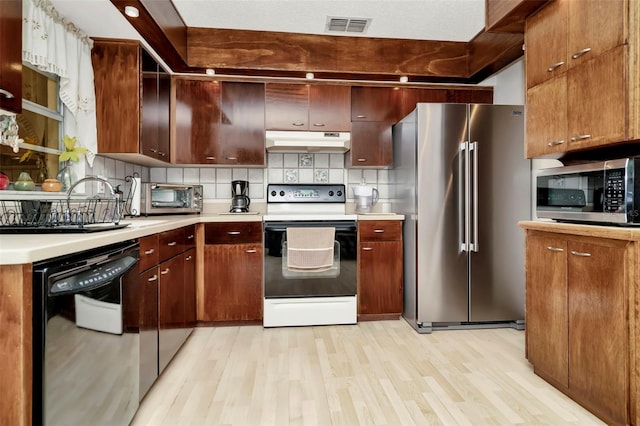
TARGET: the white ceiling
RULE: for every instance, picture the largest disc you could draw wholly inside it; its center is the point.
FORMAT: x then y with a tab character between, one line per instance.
452	20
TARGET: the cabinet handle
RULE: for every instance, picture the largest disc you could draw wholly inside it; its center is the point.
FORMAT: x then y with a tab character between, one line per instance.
318	124
554	66
153	278
172	243
232	158
250	251
210	158
378	231
233	233
361	160
150	251
579	137
188	258
161	154
6	94
580	53
367	248
165	272
580	253
153	150
298	124
361	116
190	237
554	143
554	248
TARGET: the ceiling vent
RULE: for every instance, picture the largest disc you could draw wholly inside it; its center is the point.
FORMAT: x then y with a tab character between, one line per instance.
347	25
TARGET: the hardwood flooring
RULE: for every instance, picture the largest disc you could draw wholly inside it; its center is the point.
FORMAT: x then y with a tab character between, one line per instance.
372	373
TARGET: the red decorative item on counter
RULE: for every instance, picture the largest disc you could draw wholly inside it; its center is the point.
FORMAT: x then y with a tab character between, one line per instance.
4	181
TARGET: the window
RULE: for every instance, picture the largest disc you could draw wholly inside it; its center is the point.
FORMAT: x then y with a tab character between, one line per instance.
40	127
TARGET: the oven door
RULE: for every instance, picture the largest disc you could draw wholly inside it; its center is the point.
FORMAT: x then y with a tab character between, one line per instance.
293	298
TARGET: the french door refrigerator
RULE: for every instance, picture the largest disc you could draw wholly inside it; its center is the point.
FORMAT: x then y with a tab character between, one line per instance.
462	182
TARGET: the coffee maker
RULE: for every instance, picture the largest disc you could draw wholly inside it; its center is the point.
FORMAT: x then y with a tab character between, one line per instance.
240	200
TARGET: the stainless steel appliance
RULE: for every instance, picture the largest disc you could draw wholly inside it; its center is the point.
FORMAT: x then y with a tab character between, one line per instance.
164	198
239	196
605	192
85	337
315	296
461	180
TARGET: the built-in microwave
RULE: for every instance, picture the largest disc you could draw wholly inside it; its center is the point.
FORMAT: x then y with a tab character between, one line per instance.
606	192
164	198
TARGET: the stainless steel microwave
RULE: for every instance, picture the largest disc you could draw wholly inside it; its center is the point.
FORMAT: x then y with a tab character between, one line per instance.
606	192
164	198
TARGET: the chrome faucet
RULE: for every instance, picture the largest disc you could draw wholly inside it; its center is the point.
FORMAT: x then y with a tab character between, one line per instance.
117	194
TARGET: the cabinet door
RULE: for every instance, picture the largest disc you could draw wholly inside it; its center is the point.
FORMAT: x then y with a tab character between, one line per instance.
197	121
164	116
171	309
287	106
596	96
242	124
330	108
148	329
190	288
546	307
469	96
371	144
547	118
380	278
11	55
149	115
545	40
375	104
116	71
595	26
411	97
233	282
598	335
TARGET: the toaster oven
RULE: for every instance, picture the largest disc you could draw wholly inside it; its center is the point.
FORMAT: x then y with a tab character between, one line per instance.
164	198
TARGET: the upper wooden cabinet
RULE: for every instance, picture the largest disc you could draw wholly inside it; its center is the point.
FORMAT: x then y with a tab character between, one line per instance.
132	102
566	33
582	89
11	56
375	103
218	123
308	107
197	121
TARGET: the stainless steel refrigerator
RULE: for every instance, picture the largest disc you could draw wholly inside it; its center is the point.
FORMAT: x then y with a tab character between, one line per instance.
462	182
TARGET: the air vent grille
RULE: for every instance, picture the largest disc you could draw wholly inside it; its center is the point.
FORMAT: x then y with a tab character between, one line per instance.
347	25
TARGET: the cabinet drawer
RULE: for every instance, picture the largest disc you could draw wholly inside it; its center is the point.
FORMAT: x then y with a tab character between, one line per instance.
171	243
233	233
189	234
388	230
149	253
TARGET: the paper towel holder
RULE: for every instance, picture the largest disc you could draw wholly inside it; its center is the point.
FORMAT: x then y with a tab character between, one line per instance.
131	203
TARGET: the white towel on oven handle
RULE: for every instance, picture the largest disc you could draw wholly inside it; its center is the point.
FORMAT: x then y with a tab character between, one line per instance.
310	248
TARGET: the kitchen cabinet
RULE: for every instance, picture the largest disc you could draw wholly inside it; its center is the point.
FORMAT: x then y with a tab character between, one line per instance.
313	107
132	103
11	56
233	259
577	317
581	90
380	269
197	121
413	96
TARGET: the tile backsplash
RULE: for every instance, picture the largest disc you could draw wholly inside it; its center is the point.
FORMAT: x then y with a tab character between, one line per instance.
281	168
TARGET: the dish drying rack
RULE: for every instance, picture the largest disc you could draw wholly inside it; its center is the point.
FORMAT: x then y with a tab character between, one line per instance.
70	211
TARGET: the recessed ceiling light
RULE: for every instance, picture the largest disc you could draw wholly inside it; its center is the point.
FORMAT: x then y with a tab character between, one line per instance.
210	71
309	76
404	79
131	11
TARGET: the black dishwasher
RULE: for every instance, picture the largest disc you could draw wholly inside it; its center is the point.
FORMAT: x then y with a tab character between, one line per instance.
86	337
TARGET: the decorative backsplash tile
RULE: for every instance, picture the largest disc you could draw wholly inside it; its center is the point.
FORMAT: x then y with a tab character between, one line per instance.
306	160
321	176
290	175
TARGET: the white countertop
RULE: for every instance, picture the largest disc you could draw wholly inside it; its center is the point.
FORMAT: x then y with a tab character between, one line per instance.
29	248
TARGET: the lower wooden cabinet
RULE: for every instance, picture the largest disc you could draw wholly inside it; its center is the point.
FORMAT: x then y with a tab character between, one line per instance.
233	259
578	320
380	269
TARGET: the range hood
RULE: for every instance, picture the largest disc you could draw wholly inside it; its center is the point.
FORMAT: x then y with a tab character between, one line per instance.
312	142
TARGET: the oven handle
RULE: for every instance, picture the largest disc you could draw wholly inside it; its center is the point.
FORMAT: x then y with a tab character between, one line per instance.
282	226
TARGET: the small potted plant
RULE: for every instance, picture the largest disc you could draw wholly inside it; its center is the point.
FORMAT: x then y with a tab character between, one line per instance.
70	154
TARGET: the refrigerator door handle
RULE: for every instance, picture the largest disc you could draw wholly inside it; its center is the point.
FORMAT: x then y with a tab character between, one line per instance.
474	245
463	183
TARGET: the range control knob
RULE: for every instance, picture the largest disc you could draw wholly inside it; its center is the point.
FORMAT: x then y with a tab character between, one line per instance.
339	193
273	193
330	193
282	193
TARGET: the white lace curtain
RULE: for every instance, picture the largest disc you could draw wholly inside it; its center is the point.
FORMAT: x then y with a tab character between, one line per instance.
55	45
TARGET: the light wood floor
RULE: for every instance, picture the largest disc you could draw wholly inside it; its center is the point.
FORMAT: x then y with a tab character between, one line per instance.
373	373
